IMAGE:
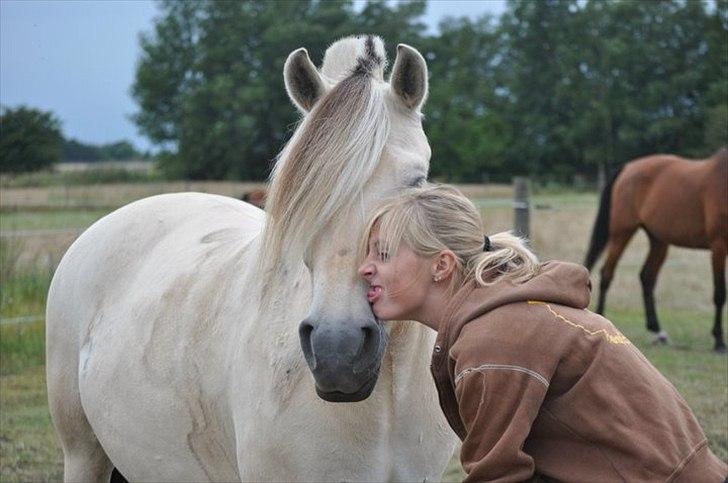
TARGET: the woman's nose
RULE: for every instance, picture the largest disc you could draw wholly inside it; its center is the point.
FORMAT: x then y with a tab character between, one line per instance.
366	270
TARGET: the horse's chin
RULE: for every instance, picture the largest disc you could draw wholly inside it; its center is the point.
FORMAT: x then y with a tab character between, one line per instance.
359	395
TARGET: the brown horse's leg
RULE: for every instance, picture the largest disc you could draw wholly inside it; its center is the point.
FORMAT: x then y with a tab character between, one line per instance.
718	252
648	277
615	247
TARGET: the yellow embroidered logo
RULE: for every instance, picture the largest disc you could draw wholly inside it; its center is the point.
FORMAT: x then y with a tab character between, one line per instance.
612	338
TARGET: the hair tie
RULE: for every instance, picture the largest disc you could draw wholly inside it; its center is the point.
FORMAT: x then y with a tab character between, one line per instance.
486	243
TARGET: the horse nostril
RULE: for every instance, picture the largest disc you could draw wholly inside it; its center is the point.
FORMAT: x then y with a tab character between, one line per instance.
304	332
368	333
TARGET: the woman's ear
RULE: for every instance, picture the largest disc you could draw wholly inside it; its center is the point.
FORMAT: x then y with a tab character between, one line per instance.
444	265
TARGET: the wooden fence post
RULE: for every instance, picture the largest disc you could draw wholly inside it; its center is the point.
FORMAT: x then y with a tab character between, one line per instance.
521	207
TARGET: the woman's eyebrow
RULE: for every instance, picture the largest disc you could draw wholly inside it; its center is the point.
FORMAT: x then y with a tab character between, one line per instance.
372	246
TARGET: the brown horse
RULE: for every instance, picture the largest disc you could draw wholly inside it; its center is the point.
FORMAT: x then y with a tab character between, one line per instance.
677	202
256	197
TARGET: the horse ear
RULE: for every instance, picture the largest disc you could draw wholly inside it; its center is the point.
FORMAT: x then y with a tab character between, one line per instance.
303	82
409	76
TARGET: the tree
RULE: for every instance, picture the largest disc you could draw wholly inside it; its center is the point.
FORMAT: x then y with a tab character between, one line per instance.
597	83
30	139
210	86
123	150
541	55
463	118
715	101
119	151
74	150
552	89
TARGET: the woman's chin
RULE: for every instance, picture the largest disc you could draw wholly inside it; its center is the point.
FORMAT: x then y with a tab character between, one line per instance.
384	314
380	313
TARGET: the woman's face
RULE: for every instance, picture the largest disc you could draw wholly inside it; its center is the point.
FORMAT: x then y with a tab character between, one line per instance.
398	282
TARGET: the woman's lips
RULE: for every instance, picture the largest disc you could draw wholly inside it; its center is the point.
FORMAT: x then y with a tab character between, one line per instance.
373	294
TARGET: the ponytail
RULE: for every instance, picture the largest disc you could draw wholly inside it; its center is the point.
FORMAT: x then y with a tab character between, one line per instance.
508	259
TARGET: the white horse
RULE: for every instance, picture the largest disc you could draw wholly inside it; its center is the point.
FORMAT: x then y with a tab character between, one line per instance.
172	352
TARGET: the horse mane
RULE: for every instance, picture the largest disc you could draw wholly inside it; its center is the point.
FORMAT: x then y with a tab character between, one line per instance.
321	172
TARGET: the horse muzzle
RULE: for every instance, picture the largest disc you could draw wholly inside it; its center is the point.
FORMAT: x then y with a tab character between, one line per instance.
344	357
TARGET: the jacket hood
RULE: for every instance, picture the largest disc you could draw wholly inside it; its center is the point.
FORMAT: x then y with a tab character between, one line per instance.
557	282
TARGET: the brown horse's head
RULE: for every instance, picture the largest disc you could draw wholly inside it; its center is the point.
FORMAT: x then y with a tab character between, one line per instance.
255	197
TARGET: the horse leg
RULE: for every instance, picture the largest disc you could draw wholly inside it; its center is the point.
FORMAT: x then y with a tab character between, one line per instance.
648	277
718	254
615	247
84	458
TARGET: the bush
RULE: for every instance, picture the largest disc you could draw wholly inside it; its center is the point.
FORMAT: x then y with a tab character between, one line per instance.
30	139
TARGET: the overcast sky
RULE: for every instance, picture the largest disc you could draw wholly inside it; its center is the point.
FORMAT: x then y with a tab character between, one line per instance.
77	58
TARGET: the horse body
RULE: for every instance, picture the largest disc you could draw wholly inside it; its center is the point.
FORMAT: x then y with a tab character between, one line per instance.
141	337
641	188
172	345
677	202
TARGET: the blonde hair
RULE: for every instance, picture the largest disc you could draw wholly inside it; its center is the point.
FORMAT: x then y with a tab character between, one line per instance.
436	217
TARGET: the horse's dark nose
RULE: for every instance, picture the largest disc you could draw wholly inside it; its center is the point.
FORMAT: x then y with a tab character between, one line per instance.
344	357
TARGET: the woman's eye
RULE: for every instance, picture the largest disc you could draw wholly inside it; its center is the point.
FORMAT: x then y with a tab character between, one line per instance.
383	256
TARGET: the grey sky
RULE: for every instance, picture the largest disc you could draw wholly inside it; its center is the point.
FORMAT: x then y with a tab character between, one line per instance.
77	58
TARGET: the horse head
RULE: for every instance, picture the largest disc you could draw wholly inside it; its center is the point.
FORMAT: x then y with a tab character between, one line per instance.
360	139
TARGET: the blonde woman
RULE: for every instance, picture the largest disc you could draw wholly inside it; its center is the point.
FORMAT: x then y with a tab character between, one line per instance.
534	384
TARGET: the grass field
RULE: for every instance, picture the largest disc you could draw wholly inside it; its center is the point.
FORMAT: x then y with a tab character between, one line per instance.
49	220
560	228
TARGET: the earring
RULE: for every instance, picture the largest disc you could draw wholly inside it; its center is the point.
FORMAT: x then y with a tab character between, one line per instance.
436	278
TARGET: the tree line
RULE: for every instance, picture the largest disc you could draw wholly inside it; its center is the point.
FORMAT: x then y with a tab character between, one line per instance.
31	139
552	88
74	150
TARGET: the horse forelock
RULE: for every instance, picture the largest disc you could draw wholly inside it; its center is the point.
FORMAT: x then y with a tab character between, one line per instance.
359	55
321	173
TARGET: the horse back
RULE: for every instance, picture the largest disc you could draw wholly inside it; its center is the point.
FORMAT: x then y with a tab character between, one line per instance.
140	308
677	200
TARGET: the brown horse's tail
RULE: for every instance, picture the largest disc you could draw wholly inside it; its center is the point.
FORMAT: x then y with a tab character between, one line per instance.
600	232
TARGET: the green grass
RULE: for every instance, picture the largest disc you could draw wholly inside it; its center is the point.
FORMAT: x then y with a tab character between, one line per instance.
46	220
23	289
23	292
22	347
29	449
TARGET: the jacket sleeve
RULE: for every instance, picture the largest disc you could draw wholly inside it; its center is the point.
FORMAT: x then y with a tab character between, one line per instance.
498	404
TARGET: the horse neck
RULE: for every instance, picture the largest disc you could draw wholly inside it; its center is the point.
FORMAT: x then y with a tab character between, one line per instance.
406	363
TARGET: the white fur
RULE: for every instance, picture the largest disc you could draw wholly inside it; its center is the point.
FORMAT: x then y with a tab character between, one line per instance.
162	359
342	56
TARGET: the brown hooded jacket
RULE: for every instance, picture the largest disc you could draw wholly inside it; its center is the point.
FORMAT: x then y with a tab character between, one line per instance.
539	388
